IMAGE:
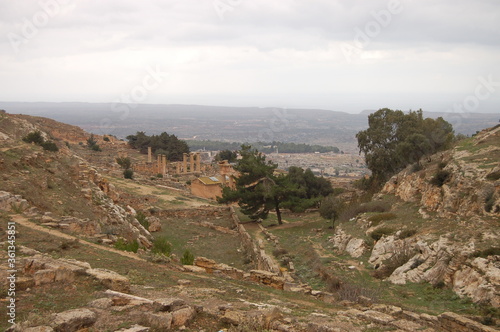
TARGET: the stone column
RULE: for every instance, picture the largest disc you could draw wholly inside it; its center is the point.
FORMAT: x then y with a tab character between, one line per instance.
191	162
198	162
158	164
184	163
178	167
164	165
150	155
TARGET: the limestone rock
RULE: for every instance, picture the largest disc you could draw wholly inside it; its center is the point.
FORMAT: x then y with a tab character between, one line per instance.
267	278
233	317
161	321
111	279
377	317
42	277
154	224
39	329
450	321
356	247
136	328
183	316
73	320
169	304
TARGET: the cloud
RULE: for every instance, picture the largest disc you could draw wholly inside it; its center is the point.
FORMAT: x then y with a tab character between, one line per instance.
96	49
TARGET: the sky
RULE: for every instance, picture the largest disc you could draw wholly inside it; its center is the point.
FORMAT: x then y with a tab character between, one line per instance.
350	55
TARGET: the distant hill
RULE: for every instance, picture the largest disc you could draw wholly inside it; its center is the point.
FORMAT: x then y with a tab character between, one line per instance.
240	124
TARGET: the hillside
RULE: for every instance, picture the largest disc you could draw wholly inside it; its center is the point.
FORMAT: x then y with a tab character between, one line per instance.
74	214
231	124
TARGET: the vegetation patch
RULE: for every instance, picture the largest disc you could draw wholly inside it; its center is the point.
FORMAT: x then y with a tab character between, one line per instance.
381	231
381	217
441	177
122	244
161	246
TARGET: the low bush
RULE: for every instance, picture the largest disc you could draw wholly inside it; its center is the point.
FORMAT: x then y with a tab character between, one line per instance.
128	174
492	251
381	231
382	216
121	244
161	246
373	206
489	201
187	258
34	137
441	177
50	146
493	176
142	219
407	233
279	252
416	167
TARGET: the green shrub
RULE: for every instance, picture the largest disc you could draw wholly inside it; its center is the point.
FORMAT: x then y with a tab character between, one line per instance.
187	258
416	167
142	219
34	137
373	206
487	252
161	246
442	165
128	174
493	176
124	162
106	139
382	216
489	201
50	146
121	244
379	232
440	177
96	148
407	233
159	176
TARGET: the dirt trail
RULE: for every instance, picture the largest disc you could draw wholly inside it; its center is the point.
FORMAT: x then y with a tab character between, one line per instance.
26	223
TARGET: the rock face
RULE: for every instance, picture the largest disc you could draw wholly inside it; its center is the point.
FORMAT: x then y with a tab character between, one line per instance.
467	189
442	261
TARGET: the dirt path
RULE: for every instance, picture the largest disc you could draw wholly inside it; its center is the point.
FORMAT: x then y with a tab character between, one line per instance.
26	223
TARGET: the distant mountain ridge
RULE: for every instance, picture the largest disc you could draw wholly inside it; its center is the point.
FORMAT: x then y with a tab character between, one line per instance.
239	124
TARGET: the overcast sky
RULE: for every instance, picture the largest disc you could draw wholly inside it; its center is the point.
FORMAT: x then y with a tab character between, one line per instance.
347	55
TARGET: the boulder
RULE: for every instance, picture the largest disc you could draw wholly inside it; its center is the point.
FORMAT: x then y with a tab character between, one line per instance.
356	247
169	304
154	224
161	321
111	279
183	316
73	320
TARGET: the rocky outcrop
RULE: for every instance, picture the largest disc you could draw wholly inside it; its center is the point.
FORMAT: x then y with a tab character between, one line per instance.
466	190
12	203
441	261
43	269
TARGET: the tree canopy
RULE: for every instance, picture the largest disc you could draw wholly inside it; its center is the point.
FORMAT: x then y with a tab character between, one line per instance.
259	189
164	143
228	155
395	139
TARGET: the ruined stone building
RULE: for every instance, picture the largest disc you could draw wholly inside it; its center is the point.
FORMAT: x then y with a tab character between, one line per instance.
211	186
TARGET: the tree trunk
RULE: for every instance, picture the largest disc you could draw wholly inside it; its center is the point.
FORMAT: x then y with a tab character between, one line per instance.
278	213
